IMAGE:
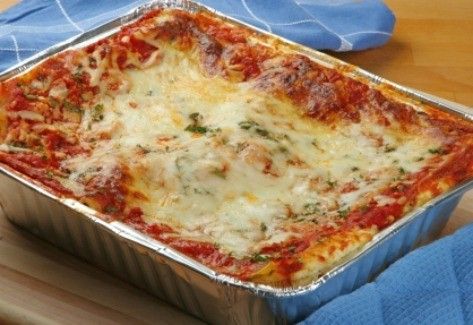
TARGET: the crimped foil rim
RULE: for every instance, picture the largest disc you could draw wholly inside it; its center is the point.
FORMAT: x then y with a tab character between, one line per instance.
132	236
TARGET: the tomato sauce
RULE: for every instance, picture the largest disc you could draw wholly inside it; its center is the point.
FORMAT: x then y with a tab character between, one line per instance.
34	168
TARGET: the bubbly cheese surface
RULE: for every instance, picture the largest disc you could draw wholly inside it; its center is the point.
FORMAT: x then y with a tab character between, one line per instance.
222	162
231	148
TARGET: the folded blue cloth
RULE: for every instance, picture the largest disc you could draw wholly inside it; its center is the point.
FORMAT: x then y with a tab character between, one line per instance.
432	285
341	25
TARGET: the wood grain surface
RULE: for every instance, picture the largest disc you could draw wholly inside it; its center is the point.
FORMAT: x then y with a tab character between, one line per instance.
431	50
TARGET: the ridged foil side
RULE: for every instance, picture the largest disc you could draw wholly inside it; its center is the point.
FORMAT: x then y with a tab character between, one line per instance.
108	247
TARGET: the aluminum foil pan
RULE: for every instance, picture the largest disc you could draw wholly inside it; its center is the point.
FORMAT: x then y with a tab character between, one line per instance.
183	282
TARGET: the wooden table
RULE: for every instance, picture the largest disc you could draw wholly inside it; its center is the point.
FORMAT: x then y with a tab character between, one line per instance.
431	50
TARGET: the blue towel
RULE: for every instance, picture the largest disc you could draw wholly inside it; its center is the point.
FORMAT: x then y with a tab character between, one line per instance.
340	25
432	285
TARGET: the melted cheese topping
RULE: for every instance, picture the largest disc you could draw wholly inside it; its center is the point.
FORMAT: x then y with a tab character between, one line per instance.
222	162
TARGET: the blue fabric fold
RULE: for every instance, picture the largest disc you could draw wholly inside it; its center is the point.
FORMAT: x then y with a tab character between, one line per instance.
431	285
340	25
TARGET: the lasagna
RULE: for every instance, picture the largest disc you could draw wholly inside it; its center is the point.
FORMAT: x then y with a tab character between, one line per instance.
229	146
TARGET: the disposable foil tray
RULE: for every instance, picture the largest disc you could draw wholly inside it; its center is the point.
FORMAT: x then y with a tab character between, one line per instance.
183	282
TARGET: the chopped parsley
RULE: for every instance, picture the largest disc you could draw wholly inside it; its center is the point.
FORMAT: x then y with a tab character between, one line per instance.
214	131
436	151
179	163
196	129
260	258
402	171
92	62
17	144
354	169
97	113
259	130
195	117
201	191
283	149
219	173
262	132
263	227
265	134
311	208
53	102
343	213
110	209
389	148
332	184
143	149
77	76
246	125
71	107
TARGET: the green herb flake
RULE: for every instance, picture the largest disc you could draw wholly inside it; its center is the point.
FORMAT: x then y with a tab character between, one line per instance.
252	125
149	93
332	184
213	132
97	113
71	107
265	134
49	174
53	102
179	163
262	132
92	62
196	126
355	169
402	171
111	209
201	191
219	173
263	227
343	213
283	149
284	137
196	129
436	151
389	148
196	117
143	149
419	159
17	144
77	76
260	258
311	208
246	125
